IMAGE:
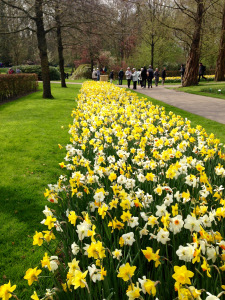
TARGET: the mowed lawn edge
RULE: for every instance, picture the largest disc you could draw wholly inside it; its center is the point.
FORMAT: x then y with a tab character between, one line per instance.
31	129
208	89
30	133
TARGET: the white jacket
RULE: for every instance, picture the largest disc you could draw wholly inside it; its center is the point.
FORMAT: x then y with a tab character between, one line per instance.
128	74
135	76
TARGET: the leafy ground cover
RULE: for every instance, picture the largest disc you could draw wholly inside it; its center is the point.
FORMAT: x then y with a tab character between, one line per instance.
30	157
31	129
215	89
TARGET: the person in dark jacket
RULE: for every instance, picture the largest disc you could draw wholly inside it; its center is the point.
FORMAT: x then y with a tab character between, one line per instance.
150	76
163	76
143	77
201	72
120	76
111	76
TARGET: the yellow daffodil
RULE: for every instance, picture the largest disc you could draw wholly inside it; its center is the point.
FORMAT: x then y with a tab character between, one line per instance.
32	275
182	275
126	272
78	279
6	291
38	238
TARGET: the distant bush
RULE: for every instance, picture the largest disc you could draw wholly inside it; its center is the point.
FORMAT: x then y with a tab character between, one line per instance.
54	73
17	85
83	71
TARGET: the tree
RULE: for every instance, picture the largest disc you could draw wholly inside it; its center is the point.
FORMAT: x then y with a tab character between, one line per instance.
152	30
59	43
191	72
220	65
42	46
34	12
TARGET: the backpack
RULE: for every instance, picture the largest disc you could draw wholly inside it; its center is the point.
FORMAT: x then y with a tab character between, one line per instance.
203	68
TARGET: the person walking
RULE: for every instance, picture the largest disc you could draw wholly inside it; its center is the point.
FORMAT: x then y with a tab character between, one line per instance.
163	75
120	76
143	77
201	72
128	75
134	78
111	76
98	74
150	75
182	70
156	75
139	76
94	75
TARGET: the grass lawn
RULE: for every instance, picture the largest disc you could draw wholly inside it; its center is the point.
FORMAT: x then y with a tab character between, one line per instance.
29	136
31	129
209	89
3	70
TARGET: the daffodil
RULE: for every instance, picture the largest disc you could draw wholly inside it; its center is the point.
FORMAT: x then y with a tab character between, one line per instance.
6	291
126	272
78	279
182	275
32	275
38	238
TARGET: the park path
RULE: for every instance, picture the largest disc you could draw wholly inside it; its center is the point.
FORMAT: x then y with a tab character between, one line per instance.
208	107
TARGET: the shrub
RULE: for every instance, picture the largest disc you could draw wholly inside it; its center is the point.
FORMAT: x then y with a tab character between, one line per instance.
54	73
17	85
83	71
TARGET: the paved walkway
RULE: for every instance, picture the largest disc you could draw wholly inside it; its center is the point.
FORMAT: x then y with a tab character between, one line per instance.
208	107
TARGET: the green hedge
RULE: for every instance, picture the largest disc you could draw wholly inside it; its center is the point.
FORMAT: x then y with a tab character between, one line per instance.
54	73
17	85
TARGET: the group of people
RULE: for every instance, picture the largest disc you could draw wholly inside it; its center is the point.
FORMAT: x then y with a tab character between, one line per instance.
96	74
143	76
11	71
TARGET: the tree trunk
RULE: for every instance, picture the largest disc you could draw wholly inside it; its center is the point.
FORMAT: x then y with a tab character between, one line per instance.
92	64
60	46
42	46
220	65
5	55
192	65
152	51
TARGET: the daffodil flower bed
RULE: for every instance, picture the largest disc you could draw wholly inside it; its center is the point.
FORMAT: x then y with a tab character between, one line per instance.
177	79
139	210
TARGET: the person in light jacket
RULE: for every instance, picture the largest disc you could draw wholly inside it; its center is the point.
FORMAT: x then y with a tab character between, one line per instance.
156	75
134	78
94	75
128	75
